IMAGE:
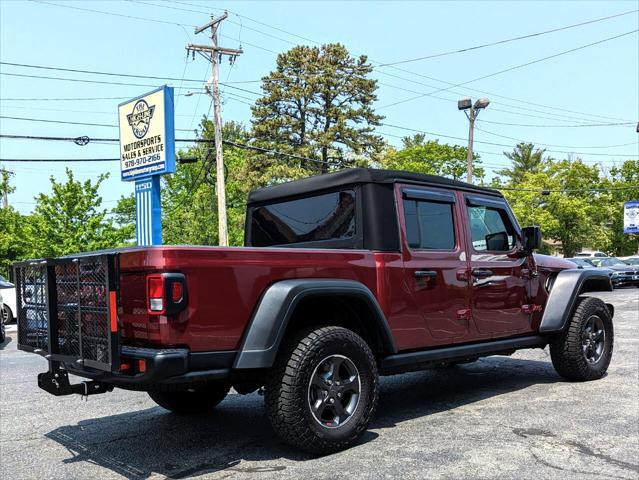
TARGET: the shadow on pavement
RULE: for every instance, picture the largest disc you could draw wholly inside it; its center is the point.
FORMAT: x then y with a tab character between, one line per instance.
140	444
6	342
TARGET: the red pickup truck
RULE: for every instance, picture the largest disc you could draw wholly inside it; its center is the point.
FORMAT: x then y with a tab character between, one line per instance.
344	277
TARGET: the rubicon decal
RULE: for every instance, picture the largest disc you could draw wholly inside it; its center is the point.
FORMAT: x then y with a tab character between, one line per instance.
140	118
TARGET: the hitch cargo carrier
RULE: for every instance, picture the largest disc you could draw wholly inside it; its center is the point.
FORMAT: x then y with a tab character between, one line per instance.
67	309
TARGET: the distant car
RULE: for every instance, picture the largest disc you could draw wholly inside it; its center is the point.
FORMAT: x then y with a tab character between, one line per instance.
8	311
582	262
591	254
631	260
2	331
623	273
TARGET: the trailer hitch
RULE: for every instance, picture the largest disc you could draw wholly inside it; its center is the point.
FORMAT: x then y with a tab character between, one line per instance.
56	382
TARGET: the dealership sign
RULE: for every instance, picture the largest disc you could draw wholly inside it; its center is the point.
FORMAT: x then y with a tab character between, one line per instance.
147	135
147	150
631	217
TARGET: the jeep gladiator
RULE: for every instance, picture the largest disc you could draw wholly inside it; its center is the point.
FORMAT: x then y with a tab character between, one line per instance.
344	277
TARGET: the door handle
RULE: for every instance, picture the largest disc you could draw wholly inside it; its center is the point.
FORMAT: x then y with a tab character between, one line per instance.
482	273
425	274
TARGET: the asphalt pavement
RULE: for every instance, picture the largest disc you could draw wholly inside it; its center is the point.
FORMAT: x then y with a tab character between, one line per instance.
500	417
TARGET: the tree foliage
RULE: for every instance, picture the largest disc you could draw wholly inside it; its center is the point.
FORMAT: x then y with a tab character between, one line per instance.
70	220
525	159
575	210
318	103
431	157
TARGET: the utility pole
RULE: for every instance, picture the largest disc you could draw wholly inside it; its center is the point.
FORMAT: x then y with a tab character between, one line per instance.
473	110
214	55
4	183
469	154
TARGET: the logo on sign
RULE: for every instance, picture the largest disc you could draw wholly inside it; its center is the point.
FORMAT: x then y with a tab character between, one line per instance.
140	118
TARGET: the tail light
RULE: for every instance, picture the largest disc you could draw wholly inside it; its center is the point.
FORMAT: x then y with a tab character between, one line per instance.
166	293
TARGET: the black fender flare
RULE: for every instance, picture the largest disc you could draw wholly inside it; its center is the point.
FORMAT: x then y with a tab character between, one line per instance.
567	287
271	316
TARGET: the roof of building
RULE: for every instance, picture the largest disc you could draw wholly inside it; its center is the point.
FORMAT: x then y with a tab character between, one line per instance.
355	176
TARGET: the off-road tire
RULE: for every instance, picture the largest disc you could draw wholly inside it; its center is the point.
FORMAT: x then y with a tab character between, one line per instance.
288	388
566	348
6	315
188	402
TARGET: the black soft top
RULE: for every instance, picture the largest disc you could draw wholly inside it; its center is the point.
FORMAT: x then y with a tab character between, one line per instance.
354	176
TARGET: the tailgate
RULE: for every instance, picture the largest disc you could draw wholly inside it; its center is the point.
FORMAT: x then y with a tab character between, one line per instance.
67	309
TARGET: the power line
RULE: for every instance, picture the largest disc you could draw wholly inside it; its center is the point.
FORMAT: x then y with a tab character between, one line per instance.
30	119
425	76
521	65
60	99
503	144
519	140
314	41
513	39
544	191
83	80
183	140
64	122
111	74
166	22
612	124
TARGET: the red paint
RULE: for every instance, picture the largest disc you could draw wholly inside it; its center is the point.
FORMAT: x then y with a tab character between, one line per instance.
225	284
113	311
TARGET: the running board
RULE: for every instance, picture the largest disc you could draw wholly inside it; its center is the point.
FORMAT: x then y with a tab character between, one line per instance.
403	362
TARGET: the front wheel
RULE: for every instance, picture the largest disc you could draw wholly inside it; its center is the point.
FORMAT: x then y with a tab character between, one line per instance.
191	401
584	350
323	389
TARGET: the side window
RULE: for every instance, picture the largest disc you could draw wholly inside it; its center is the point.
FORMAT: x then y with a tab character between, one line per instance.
429	225
491	229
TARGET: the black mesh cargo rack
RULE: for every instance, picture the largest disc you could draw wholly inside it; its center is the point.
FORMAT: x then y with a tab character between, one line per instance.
67	309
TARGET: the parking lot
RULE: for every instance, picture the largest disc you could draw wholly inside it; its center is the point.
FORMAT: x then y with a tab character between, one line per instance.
501	417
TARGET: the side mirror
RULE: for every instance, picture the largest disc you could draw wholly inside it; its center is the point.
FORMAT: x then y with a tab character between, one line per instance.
531	238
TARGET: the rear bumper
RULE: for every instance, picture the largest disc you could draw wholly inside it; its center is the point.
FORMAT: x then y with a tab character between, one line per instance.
172	366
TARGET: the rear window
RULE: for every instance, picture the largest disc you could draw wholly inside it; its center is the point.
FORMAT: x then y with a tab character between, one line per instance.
326	217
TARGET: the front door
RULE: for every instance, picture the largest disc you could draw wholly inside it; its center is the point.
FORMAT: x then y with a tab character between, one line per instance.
435	263
500	275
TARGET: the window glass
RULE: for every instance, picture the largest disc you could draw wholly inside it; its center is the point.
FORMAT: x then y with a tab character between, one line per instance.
324	217
429	225
491	229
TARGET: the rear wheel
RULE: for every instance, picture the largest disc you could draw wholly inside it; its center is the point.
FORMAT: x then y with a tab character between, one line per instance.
7	316
322	390
191	401
584	350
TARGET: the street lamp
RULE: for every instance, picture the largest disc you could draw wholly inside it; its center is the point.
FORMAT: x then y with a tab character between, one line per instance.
471	112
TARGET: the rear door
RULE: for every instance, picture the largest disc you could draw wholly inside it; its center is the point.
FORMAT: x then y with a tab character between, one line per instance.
435	262
500	275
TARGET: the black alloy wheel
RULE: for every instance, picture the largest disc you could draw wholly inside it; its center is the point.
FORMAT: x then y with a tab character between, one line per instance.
334	391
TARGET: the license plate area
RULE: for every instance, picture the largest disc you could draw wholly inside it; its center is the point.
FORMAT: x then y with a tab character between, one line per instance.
66	309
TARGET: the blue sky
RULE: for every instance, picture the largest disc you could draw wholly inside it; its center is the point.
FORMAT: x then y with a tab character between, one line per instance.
598	84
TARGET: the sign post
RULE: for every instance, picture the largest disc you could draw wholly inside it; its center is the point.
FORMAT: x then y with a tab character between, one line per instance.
147	150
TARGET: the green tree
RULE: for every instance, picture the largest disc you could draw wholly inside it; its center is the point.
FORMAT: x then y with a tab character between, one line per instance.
318	103
562	199
620	181
525	159
431	157
189	202
70	220
13	241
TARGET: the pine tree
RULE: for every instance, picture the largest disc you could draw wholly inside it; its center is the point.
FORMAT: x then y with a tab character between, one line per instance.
318	103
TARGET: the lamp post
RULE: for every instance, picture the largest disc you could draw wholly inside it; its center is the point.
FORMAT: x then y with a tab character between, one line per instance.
471	112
